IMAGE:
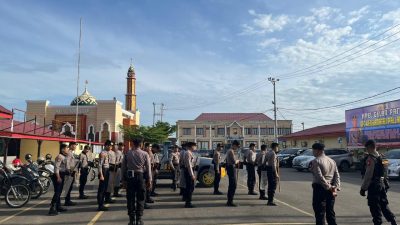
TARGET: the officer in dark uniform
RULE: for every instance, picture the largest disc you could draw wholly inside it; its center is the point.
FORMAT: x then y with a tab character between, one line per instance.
135	163
376	184
272	172
232	165
174	165
104	173
261	171
182	167
188	172
73	169
250	167
84	159
60	170
217	168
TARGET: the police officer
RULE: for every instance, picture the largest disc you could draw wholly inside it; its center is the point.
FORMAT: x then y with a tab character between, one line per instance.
326	183
250	167
119	155
112	172
60	170
84	158
217	168
147	149
272	172
156	166
261	161
135	163
376	184
188	172
104	166
73	170
174	164
232	164
182	182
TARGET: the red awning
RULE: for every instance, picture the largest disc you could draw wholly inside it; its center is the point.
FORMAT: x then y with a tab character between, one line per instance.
5	113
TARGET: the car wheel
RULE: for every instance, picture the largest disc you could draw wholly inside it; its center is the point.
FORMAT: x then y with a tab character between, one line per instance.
206	178
344	166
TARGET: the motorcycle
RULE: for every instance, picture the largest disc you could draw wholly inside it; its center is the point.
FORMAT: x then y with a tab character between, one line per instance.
29	172
16	194
45	170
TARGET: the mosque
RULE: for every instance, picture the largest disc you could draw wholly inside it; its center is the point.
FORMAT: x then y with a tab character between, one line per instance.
97	120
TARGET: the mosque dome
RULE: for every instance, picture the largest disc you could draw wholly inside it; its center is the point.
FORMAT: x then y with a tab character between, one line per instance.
84	99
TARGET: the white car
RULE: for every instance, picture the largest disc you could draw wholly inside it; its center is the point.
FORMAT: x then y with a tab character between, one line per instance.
393	156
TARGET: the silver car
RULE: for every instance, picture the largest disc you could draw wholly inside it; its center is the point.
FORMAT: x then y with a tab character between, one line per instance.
393	157
342	157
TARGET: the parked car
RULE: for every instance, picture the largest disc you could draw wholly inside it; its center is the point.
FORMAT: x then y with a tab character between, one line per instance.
204	153
286	156
393	156
342	157
204	171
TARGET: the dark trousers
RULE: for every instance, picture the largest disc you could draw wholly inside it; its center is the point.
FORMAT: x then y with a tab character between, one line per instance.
189	186
83	180
217	179
378	203
68	196
58	187
251	177
175	176
231	171
135	195
154	184
272	182
323	205
102	187
262	192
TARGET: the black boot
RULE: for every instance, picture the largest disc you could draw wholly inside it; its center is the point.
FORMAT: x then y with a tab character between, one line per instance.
139	220
61	209
116	192
262	195
131	220
53	210
108	198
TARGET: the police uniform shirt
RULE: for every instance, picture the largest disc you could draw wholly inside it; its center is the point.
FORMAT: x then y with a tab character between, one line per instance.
112	157
104	161
217	158
62	164
231	157
251	157
174	159
189	162
369	170
272	160
325	172
119	155
138	161
156	158
151	155
84	160
260	158
181	157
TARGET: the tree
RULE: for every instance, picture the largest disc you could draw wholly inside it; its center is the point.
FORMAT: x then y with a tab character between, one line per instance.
157	134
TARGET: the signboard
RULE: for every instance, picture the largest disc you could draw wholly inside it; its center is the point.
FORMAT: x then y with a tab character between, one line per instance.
380	122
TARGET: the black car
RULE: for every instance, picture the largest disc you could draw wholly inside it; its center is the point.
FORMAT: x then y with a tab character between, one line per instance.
286	156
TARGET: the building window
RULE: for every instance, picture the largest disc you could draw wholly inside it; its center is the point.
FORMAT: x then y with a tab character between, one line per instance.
215	143
68	130
91	133
235	131
187	131
221	131
247	131
255	131
105	132
200	131
263	131
270	131
203	144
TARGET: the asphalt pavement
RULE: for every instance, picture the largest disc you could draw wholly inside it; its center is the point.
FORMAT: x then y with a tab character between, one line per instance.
294	206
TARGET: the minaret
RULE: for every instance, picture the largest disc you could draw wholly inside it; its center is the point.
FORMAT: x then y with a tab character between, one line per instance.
130	99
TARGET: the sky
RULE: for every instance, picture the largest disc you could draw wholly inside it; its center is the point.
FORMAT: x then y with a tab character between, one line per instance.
204	56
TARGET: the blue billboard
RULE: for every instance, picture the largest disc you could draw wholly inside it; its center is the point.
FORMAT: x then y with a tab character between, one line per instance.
380	122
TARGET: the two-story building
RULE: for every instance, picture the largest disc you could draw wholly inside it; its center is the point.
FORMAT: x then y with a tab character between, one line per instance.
209	129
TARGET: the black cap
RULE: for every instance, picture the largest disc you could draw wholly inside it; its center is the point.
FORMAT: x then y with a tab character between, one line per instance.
370	143
318	146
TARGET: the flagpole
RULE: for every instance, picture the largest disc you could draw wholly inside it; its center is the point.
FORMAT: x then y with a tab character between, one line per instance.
77	80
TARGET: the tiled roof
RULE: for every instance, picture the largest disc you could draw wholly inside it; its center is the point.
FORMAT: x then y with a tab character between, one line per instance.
331	129
232	117
4	110
28	129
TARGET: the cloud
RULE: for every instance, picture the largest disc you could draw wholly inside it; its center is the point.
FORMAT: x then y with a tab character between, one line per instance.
393	16
269	42
357	15
265	23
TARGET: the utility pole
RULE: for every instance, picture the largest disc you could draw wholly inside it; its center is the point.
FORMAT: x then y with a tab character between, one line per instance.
161	111
154	113
158	115
302	125
273	81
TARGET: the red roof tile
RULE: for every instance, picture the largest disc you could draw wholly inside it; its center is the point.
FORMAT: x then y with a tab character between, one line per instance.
331	129
5	113
232	117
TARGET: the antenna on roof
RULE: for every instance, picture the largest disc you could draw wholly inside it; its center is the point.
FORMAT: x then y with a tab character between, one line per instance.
77	80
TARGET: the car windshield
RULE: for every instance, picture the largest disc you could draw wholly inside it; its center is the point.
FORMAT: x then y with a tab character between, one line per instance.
307	152
290	151
394	154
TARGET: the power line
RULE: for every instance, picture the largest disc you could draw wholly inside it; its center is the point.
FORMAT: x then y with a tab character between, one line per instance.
301	71
344	104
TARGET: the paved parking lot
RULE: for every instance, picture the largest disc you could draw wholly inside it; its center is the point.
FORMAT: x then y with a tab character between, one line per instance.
294	206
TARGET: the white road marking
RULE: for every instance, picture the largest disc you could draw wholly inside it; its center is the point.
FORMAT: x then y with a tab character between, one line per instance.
96	217
22	211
